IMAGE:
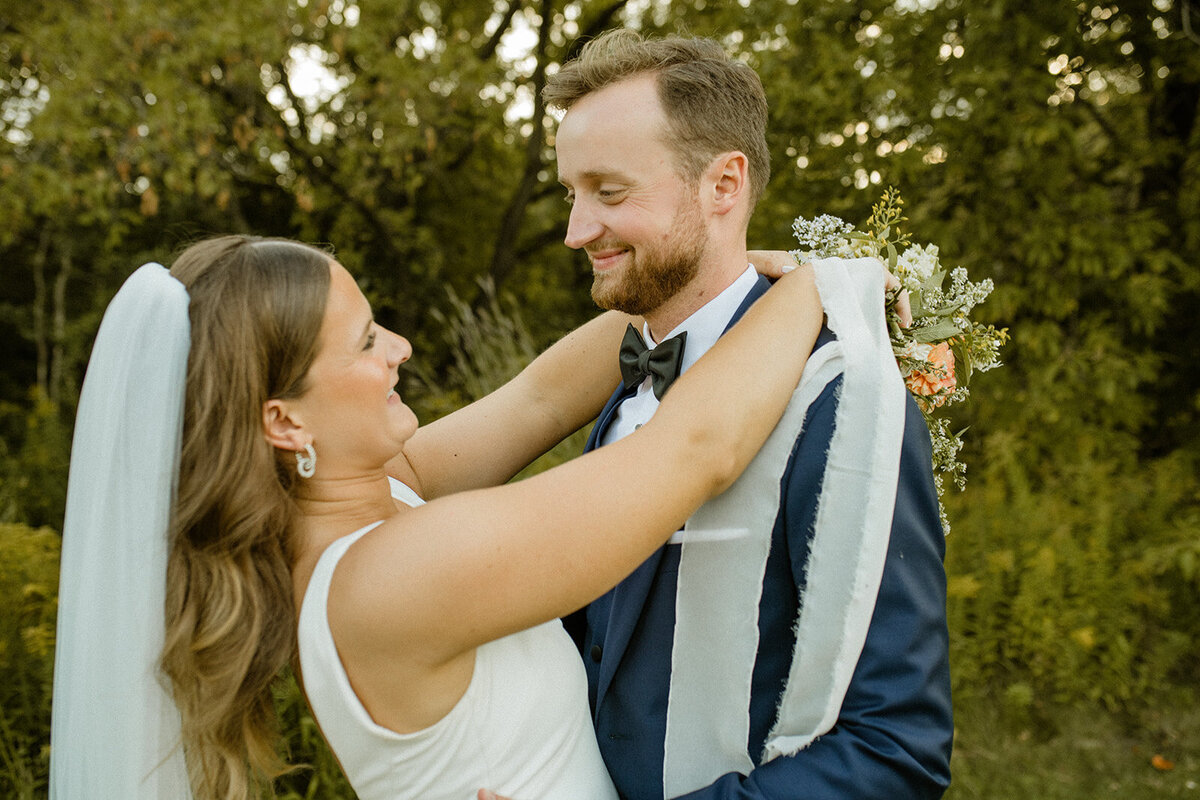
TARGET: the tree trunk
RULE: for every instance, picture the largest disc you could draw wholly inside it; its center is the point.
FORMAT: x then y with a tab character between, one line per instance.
504	253
40	339
58	335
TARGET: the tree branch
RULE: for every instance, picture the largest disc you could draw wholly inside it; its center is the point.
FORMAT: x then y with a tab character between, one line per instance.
58	333
1185	8
320	175
504	255
489	48
1099	119
542	240
39	309
296	104
600	23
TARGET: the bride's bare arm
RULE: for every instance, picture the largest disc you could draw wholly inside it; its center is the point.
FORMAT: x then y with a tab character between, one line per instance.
469	568
487	442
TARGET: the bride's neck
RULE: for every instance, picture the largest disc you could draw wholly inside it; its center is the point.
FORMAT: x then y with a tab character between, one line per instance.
344	503
330	508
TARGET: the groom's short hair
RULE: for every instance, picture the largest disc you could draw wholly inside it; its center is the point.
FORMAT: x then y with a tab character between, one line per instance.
713	103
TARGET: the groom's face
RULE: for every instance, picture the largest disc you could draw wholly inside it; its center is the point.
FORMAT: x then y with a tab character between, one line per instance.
633	213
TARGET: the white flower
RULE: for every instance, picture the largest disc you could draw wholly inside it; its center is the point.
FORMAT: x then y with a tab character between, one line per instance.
824	236
971	294
860	248
805	256
916	264
918	350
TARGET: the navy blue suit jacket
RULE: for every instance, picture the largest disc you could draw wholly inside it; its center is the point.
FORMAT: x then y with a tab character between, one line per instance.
892	737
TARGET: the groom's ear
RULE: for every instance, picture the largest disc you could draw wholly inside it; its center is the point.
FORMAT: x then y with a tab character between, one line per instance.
280	428
728	181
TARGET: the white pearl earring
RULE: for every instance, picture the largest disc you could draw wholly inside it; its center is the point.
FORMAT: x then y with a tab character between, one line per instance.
306	462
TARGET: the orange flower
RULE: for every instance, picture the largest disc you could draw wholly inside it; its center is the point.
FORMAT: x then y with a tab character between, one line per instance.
933	386
1161	764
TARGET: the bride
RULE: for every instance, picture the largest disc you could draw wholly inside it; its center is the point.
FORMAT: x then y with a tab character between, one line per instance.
244	462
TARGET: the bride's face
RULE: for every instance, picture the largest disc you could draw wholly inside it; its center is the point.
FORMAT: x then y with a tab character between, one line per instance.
351	407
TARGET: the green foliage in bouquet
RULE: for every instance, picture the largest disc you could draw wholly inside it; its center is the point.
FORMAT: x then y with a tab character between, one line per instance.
943	347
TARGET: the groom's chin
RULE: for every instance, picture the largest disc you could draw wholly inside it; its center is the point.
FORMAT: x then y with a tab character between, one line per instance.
602	292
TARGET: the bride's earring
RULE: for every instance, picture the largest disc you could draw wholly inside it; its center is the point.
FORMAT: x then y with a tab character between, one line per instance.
306	462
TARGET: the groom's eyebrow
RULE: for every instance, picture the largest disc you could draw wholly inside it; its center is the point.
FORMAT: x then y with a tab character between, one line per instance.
599	175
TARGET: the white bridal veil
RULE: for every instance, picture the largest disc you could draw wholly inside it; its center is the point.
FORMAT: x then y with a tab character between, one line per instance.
115	730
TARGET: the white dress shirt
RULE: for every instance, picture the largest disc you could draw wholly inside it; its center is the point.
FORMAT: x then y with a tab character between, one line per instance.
703	329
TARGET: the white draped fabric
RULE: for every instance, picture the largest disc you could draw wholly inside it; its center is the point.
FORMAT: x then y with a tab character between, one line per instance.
115	731
726	543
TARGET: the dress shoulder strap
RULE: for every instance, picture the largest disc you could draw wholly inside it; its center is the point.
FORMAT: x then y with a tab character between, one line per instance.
405	494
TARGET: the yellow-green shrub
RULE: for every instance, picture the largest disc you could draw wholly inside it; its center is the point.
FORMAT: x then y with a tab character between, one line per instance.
28	603
1071	588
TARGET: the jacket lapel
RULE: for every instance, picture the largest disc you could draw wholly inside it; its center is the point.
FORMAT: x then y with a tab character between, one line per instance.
629	597
606	417
756	291
623	603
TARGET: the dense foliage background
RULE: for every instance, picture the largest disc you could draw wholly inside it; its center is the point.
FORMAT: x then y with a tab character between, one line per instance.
1052	146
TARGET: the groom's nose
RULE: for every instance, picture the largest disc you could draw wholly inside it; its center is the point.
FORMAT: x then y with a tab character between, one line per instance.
583	226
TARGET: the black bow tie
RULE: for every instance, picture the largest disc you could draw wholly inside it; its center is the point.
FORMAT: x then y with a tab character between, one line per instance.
661	364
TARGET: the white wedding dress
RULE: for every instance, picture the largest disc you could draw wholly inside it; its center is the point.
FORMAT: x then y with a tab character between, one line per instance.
522	728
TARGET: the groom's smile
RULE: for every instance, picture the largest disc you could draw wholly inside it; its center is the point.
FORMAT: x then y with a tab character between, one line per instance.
605	257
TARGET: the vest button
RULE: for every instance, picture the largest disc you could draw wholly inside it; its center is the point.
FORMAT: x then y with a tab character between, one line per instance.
596	652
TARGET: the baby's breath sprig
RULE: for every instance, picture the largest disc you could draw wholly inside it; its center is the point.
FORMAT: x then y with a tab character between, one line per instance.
943	347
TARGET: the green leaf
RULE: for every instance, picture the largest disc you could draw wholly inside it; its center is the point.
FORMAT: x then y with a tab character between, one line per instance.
937	332
934	281
946	310
917	300
963	367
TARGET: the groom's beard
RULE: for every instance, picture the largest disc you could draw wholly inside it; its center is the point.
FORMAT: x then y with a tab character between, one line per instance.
653	275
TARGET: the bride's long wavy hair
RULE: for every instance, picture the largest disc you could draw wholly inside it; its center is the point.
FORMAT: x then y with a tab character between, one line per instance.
256	310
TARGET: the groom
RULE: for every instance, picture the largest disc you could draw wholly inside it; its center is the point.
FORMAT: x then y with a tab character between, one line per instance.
791	641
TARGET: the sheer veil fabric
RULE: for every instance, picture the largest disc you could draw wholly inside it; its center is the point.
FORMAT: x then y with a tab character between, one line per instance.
115	731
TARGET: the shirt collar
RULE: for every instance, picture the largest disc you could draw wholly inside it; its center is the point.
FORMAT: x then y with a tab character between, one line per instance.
709	321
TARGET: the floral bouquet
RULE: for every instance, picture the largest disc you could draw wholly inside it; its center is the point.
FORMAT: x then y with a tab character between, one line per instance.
942	348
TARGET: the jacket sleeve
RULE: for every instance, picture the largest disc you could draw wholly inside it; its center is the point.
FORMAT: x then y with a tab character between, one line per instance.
892	737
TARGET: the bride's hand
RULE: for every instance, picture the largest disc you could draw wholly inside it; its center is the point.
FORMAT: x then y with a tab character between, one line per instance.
772	263
903	306
488	794
775	263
